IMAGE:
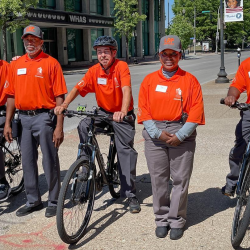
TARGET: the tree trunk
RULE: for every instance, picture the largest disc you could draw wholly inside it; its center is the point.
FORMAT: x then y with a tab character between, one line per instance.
127	56
4	30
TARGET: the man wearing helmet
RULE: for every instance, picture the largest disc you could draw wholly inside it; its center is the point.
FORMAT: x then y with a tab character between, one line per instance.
111	82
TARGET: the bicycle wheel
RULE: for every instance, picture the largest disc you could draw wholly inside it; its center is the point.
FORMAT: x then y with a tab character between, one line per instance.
241	218
13	166
75	202
115	183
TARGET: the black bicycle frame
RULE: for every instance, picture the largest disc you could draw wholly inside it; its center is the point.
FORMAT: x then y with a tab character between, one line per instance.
243	169
92	144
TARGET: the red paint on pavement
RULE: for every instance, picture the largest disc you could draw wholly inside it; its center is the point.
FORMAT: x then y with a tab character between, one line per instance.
32	240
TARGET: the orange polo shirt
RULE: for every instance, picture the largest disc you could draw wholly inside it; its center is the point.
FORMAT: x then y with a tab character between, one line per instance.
107	88
160	98
4	69
241	80
35	83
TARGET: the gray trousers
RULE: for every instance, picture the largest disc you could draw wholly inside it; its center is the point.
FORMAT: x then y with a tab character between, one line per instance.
38	130
127	155
165	161
2	167
242	133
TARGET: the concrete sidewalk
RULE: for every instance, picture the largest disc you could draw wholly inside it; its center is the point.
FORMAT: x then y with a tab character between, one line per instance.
112	227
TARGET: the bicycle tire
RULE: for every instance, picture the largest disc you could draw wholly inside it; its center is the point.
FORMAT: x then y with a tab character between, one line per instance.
13	166
241	218
75	202
115	184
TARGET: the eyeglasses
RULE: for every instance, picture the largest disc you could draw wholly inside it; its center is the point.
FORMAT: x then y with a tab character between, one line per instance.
106	52
164	54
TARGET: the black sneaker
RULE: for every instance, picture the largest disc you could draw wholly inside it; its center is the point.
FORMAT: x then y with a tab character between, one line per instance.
50	211
229	193
4	191
134	206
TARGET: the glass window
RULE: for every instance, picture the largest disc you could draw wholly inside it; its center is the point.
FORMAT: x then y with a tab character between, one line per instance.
47	4
75	45
73	5
145	28
96	7
112	6
94	34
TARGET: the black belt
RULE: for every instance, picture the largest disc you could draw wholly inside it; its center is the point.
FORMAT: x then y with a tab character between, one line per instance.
33	112
129	113
168	122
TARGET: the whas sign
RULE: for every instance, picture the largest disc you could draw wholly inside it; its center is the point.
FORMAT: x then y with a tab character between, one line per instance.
77	19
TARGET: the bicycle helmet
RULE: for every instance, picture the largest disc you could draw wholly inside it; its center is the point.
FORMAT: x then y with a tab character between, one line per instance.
105	41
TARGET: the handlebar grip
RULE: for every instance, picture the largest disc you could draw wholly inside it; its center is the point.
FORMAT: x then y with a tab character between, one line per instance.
222	101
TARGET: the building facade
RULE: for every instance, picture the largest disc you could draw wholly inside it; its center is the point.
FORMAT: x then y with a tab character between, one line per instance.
70	28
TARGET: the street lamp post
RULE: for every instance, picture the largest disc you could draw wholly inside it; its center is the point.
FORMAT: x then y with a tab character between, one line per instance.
217	33
222	75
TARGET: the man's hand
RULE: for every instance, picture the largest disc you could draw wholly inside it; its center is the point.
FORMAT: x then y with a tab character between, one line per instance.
165	136
118	116
59	110
173	141
8	133
230	100
58	137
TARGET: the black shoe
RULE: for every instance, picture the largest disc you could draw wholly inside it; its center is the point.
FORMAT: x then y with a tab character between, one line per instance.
25	210
4	191
227	192
176	233
161	232
50	211
134	206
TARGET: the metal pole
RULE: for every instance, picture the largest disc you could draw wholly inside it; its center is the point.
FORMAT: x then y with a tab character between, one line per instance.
194	29
168	13
222	75
217	33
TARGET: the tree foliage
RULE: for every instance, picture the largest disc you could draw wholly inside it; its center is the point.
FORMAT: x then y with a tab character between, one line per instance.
126	19
12	13
183	29
206	23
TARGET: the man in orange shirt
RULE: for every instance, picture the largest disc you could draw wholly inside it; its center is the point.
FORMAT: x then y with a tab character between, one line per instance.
4	185
110	81
241	82
170	108
35	85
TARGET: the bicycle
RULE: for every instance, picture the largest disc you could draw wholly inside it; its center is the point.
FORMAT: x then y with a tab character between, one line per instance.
12	163
241	218
77	194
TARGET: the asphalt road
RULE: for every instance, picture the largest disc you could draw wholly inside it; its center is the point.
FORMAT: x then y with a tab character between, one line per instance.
204	67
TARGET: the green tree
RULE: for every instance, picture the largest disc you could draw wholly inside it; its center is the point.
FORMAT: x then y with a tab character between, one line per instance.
126	19
12	17
206	23
183	29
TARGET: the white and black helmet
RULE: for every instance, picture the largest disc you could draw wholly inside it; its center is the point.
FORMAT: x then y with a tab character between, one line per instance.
105	41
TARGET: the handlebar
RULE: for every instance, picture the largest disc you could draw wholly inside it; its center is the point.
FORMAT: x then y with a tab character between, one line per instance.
240	106
91	114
